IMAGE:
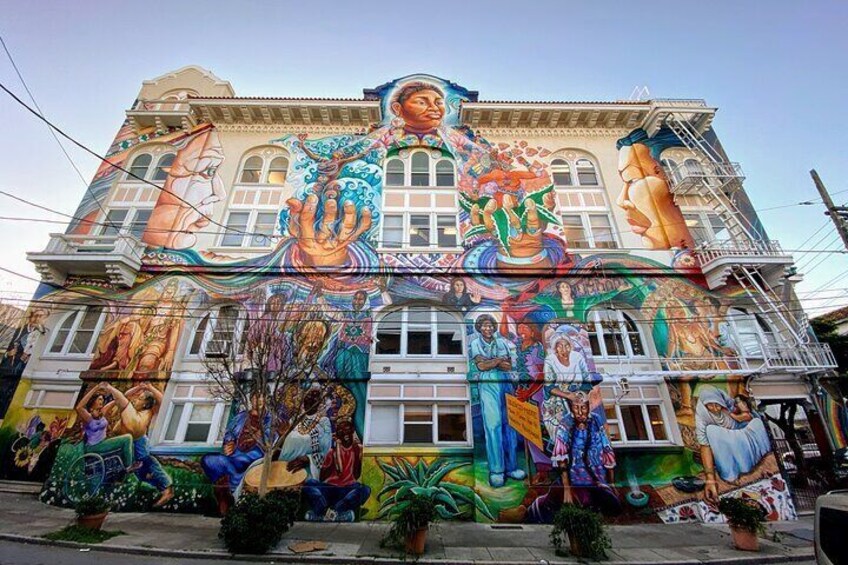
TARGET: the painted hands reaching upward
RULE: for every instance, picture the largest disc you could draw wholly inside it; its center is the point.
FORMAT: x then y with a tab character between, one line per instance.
326	245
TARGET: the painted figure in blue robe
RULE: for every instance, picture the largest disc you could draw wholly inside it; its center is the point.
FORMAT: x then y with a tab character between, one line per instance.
354	344
241	449
731	437
492	360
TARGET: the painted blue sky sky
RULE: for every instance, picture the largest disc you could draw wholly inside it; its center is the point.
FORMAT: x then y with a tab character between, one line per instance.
775	69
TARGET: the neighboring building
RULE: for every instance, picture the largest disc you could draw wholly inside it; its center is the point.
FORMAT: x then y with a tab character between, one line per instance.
839	319
507	296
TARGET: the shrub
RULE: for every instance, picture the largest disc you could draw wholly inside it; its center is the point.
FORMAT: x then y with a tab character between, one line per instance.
409	516
744	514
91	505
256	524
583	526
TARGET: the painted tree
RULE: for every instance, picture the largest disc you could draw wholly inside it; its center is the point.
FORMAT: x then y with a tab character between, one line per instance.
252	361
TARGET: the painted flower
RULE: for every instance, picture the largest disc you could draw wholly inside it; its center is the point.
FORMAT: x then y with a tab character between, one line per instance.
687	513
778	484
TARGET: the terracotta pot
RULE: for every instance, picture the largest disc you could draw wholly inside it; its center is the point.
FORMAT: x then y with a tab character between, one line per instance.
745	540
92	522
415	542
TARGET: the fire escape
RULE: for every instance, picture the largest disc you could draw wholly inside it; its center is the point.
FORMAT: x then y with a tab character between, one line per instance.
758	265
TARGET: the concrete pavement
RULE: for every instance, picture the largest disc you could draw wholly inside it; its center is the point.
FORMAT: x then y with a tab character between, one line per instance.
24	519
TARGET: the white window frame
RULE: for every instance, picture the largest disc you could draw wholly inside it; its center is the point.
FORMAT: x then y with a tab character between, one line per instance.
267	155
404	335
704	216
407	225
157	153
126	226
572	169
189	401
37	393
588	232
632	394
598	325
209	330
79	314
253	214
434	157
402	400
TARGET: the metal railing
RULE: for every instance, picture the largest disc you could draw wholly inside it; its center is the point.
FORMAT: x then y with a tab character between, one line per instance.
712	250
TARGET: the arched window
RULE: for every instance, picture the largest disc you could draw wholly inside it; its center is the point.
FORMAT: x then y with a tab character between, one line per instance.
613	333
395	173
139	167
754	335
251	172
671	171
586	174
444	173
693	167
77	333
218	332
561	172
419	331
420	169
278	170
163	166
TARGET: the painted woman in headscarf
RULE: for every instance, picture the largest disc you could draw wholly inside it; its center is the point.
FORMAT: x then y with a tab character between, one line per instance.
732	439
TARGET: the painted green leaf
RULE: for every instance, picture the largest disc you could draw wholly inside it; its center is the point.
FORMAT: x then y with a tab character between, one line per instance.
475	230
501	221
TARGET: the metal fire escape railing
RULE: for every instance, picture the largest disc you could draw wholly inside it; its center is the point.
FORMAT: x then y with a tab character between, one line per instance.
718	181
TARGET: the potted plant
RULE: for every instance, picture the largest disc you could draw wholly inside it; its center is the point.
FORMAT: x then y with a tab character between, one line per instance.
91	511
256	524
410	521
584	530
745	518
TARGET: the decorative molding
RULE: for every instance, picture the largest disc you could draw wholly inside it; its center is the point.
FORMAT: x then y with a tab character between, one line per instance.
553	132
290	128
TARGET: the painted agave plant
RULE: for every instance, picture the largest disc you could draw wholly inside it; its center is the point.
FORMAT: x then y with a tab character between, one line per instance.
404	480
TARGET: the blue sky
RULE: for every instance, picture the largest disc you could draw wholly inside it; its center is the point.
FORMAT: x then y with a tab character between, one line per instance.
776	70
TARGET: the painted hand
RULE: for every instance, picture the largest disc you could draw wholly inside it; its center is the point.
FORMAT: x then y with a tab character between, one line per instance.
525	239
326	246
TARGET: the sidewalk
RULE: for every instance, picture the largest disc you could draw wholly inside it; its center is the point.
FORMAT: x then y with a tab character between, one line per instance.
23	518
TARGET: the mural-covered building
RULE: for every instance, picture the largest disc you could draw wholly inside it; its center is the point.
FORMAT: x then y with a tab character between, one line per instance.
521	303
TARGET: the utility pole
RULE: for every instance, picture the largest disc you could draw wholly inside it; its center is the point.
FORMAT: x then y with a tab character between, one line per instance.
839	214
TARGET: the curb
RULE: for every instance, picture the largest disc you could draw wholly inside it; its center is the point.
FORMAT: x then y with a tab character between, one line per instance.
337	560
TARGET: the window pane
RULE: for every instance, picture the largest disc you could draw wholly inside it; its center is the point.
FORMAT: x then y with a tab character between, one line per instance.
85	331
388	334
237	222
202	413
602	231
634	423
613	339
418	413
252	170
561	172
418	343
197	432
633	335
419	230
657	422
594	341
139	166
163	167
586	173
174	422
446	231
264	228
420	169
139	222
277	171
114	221
62	334
444	173
719	229
394	173
223	332
385	426
418	433
697	229
452	423
197	342
449	336
572	226
392	230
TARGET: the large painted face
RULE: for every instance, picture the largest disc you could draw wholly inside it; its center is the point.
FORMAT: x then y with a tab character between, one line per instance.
358	301
524	332
564	290
647	202
311	342
421	111
458	286
714	407
96	406
345	433
37	316
580	410
142	402
311	401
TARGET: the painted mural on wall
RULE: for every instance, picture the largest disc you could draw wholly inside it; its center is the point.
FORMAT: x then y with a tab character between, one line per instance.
524	295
